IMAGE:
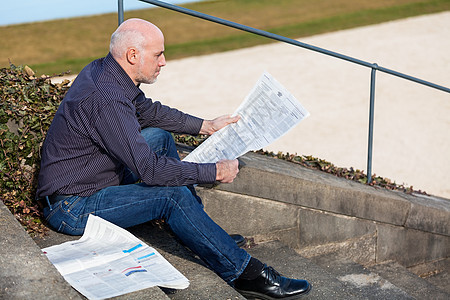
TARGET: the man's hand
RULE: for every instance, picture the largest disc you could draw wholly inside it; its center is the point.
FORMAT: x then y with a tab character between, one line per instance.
226	170
211	126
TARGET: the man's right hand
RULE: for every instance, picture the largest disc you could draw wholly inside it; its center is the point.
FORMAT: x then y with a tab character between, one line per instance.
226	170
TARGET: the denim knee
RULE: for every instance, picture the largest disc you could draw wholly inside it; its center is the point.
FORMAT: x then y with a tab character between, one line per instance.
156	136
160	141
183	197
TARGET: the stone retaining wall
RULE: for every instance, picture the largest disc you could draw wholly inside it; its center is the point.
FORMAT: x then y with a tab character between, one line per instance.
314	213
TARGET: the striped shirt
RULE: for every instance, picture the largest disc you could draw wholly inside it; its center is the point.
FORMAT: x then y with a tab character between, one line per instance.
95	134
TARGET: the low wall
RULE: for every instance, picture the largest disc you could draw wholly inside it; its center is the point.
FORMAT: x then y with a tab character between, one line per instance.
315	213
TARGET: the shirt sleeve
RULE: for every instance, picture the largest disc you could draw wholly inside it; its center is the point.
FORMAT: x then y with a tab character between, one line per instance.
155	114
117	131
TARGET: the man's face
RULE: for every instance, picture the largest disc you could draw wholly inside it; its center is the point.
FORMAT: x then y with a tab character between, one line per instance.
151	62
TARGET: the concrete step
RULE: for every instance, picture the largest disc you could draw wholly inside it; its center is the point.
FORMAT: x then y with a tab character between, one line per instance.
360	280
288	263
388	280
437	273
54	238
204	283
411	283
25	272
336	277
332	277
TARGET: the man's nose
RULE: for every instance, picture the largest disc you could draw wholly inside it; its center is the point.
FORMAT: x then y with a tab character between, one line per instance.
162	61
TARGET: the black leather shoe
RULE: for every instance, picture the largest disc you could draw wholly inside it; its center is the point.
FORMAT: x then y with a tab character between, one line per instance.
271	285
239	239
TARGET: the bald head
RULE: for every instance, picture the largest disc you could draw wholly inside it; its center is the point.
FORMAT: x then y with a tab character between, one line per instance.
138	46
132	33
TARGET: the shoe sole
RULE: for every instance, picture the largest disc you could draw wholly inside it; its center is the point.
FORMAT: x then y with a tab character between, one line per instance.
254	295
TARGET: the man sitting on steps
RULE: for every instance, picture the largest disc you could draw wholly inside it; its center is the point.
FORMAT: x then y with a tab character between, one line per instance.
106	136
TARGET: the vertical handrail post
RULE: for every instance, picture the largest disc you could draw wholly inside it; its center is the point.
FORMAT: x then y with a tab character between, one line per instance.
371	120
120	11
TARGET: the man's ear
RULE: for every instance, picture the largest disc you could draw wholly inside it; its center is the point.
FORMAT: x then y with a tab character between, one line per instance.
132	56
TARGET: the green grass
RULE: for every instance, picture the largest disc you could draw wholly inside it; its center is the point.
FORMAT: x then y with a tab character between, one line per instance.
298	30
69	66
58	46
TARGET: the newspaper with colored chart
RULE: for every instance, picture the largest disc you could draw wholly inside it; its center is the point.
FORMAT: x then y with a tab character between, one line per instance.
108	261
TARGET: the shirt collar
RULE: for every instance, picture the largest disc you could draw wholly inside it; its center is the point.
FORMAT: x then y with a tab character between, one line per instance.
121	76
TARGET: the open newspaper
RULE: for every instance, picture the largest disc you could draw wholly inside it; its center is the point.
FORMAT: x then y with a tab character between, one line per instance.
267	113
108	261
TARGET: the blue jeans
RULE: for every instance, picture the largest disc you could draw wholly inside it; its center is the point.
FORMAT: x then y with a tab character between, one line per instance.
133	203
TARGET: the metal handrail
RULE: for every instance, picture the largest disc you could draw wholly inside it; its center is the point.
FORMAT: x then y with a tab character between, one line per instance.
373	66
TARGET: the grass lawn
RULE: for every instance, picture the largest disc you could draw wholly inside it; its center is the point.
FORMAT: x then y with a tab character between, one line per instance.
68	45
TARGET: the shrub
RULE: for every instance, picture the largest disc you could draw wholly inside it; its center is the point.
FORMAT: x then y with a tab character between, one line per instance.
28	104
315	163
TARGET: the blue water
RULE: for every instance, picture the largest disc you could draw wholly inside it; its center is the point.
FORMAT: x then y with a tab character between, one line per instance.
27	11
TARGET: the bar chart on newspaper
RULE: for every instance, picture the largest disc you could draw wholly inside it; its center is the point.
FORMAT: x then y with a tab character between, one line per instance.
267	113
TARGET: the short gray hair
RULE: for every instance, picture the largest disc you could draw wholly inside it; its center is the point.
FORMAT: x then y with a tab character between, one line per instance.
122	39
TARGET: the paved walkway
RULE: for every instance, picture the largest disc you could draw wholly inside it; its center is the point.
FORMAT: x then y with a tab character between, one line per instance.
412	139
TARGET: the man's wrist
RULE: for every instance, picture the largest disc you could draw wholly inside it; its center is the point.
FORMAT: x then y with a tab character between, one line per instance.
219	173
207	127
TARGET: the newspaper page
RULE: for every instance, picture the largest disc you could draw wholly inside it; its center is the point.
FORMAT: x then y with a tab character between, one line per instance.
267	113
108	261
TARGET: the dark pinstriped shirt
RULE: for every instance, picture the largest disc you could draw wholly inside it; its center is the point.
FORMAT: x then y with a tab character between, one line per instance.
95	134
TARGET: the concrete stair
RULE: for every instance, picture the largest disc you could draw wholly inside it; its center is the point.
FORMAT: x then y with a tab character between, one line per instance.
309	209
381	281
25	272
204	283
437	273
332	276
335	277
414	285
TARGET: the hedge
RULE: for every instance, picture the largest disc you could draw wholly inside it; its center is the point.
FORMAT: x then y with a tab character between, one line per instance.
28	104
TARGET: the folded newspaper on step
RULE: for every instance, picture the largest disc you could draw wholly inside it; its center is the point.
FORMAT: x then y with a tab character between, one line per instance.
108	261
267	113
